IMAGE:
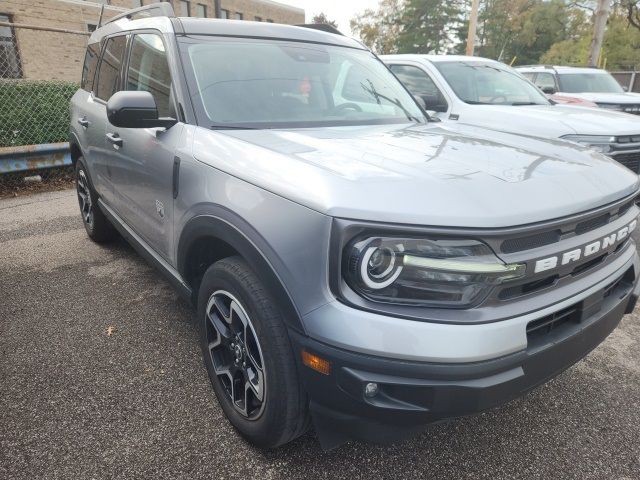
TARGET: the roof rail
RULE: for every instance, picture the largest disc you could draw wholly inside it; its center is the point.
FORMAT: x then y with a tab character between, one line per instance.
161	9
323	27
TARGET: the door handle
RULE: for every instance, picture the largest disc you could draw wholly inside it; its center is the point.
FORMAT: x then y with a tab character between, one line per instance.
115	139
84	122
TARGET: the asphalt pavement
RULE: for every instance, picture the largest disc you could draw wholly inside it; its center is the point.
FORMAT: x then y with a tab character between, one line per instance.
101	376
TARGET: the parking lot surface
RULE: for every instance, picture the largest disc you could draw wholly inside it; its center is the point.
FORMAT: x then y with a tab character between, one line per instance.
101	377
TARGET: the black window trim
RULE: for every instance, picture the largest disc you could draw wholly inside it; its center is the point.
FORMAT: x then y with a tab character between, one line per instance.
96	78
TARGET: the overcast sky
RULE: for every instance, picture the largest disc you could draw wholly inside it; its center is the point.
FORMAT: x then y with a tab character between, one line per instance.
339	10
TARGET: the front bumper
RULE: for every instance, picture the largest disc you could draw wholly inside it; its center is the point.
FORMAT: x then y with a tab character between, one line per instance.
412	394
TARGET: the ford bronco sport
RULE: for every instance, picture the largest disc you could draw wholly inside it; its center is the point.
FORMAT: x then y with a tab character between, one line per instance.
353	264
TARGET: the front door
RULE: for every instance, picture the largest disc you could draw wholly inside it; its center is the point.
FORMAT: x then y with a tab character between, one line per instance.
142	159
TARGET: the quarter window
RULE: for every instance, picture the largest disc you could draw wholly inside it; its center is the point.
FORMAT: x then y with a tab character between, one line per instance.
109	72
90	65
9	59
149	70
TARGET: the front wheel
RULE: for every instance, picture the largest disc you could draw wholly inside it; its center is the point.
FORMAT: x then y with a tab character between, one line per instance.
248	356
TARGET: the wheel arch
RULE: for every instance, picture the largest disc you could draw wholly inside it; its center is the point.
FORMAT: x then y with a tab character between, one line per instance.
207	238
74	149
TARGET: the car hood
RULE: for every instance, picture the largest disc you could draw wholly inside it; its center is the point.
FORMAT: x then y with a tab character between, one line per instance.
437	174
551	121
622	98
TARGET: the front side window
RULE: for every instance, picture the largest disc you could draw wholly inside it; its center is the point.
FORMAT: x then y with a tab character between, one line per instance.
484	83
90	65
600	82
109	70
270	83
421	85
9	59
149	70
545	80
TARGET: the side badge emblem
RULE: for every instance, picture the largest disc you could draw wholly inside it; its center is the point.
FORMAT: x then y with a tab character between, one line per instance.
160	208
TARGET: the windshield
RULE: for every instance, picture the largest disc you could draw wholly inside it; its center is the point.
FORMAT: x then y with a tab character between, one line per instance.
258	83
484	83
600	82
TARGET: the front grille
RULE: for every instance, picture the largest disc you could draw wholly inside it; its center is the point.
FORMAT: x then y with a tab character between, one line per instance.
630	160
532	241
592	224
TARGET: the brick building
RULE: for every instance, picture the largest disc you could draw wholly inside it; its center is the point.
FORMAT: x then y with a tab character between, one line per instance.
47	55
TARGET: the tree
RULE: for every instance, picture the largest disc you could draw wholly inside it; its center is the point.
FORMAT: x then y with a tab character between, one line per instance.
429	26
379	28
321	18
632	11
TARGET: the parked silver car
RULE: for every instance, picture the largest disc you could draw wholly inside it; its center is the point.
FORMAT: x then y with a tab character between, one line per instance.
483	92
353	264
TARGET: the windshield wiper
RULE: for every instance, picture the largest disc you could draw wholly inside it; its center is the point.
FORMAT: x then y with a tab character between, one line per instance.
371	90
231	127
519	104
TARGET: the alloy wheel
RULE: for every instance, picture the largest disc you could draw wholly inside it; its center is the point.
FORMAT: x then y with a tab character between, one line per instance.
84	198
236	354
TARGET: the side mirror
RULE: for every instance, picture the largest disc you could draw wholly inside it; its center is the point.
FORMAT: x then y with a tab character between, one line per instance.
433	102
133	109
625	88
548	90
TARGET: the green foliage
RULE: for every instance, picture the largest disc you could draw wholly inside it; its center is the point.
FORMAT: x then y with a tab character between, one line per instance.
33	112
428	26
322	19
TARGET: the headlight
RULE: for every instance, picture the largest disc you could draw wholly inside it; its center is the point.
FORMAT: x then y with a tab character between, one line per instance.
599	143
445	273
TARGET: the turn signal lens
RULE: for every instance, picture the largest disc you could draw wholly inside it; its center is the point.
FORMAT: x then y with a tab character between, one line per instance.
316	363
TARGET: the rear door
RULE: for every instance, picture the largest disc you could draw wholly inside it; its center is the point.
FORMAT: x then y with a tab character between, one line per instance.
143	162
86	117
106	84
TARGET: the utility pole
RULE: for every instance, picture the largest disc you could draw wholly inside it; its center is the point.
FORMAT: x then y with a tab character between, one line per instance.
600	23
473	25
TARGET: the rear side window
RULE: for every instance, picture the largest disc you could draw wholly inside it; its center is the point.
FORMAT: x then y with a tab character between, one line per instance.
109	72
149	70
90	65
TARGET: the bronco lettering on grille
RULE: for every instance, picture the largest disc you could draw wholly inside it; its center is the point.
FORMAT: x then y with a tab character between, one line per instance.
585	251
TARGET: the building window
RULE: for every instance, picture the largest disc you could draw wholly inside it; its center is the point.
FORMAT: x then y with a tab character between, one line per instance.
201	11
238	16
258	19
185	8
224	13
269	20
9	59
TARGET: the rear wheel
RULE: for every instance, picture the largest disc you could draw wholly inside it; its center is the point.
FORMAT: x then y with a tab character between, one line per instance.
95	222
248	356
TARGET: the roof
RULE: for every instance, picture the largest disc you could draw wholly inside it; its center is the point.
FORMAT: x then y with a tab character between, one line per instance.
559	68
437	58
230	28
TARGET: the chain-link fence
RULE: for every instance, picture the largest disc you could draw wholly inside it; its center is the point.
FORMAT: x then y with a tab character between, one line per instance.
34	105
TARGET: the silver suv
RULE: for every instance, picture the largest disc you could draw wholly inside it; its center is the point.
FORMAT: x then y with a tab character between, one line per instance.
353	264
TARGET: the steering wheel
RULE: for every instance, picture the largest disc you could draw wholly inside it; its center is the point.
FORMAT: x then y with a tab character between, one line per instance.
503	97
347	106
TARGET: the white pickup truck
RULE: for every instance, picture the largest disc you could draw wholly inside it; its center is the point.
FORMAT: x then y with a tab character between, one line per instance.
487	93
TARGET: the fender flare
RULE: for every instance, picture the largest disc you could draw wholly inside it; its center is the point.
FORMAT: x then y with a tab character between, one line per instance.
225	225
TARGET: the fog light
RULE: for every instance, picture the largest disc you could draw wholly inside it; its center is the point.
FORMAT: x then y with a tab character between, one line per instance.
370	390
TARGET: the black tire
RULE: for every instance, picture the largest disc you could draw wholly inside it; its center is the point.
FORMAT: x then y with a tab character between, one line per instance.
95	222
283	414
